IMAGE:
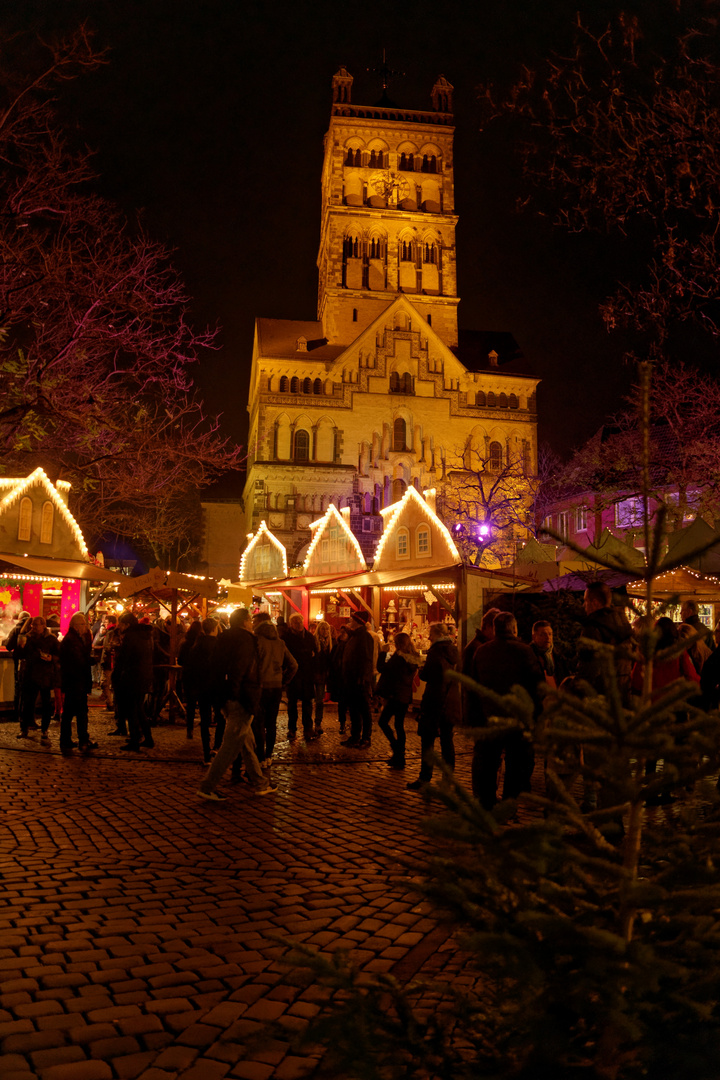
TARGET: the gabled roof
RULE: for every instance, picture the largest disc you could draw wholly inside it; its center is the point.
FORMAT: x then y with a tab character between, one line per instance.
698	546
263	531
395	521
12	490
333	515
278	339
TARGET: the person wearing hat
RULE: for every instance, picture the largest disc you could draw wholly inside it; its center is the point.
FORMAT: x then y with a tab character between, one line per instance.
358	675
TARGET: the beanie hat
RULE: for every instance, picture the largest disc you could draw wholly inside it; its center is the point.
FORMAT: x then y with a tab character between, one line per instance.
361	616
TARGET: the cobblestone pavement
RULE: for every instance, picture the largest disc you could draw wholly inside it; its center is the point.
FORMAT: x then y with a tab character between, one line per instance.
136	919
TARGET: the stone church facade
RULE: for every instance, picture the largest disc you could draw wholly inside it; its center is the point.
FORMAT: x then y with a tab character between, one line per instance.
380	391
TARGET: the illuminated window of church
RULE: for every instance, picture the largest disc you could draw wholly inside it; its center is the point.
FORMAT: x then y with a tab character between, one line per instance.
495	457
422	540
502	401
25	519
430	253
46	523
317	386
295	385
302	445
284	384
399	434
480	399
406	251
403	544
491	400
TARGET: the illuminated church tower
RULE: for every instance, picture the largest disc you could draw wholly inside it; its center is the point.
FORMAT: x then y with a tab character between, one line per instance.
388	220
379	392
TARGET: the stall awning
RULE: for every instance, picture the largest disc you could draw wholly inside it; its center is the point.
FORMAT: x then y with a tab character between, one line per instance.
58	568
158	579
261	587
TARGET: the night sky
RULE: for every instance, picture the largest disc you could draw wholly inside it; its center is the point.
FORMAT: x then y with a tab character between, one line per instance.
209	120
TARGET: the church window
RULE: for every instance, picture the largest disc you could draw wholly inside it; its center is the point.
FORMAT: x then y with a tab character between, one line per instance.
295	385
430	253
422	540
46	523
25	519
284	384
403	545
377	248
399	434
317	386
491	400
429	163
394	382
429	319
302	445
399	488
407	163
495	457
480	399
406	385
307	386
354	314
351	247
532	402
502	401
354	157
406	251
513	401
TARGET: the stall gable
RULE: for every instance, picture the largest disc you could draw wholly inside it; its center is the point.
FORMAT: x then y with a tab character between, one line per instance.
264	558
334	548
414	537
35	520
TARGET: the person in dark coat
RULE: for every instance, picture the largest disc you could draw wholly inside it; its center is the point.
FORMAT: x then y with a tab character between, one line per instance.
133	679
554	667
76	683
277	668
301	644
22	626
189	681
39	649
607	624
441	707
359	677
483	634
500	665
324	647
395	686
336	684
198	666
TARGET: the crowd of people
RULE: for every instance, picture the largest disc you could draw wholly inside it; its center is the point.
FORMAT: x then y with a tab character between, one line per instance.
234	674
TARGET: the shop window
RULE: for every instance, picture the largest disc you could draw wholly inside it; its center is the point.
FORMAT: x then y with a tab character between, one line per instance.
495	457
399	434
284	384
422	540
25	519
46	523
403	544
302	445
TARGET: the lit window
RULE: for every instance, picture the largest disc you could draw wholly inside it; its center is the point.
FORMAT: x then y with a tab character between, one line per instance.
302	445
495	457
333	550
422	539
46	523
629	512
403	547
581	519
25	520
324	550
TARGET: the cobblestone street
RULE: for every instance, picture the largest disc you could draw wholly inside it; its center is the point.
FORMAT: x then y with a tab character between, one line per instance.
137	919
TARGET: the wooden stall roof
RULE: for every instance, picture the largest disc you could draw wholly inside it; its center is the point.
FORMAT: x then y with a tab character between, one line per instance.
158	580
60	568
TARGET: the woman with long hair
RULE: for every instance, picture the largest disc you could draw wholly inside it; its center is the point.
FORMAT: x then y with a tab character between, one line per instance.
321	669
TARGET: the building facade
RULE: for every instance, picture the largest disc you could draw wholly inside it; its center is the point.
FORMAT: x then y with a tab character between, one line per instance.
380	392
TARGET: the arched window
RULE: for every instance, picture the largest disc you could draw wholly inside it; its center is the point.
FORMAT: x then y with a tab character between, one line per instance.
307	386
495	458
25	519
354	314
406	383
377	248
406	251
399	434
399	487
294	385
318	386
429	319
480	399
284	384
350	159
430	253
302	445
394	382
491	400
513	401
46	523
422	541
532	402
502	401
429	163
351	247
403	543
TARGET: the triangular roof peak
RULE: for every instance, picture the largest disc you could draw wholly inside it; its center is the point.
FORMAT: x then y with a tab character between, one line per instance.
333	516
413	500
254	540
40	477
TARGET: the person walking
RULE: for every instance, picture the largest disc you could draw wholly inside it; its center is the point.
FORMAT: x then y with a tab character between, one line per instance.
301	644
395	687
76	682
500	665
133	678
189	680
236	672
277	668
321	672
359	678
440	708
199	666
40	650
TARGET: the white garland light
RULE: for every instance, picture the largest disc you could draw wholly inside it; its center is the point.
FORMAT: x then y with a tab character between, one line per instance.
321	524
262	531
39	476
391	524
